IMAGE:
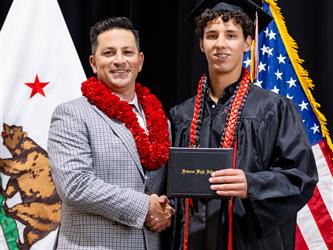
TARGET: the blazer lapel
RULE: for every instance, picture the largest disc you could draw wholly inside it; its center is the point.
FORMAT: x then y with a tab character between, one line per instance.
125	136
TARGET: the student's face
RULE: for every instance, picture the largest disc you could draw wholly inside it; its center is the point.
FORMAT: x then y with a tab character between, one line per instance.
117	60
224	46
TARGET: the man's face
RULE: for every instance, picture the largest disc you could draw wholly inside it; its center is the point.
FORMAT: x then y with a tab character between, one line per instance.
224	46
117	60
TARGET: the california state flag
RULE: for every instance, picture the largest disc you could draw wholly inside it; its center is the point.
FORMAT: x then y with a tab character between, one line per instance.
39	68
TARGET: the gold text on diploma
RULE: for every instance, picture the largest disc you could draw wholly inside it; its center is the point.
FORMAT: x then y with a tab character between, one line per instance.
197	171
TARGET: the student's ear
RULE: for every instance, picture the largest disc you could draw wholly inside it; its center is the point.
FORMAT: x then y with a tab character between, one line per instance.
92	62
248	44
201	46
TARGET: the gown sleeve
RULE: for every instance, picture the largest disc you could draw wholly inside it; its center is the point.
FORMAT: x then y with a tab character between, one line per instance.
287	175
171	237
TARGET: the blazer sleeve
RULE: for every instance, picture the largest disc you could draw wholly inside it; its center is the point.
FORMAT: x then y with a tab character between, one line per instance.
71	161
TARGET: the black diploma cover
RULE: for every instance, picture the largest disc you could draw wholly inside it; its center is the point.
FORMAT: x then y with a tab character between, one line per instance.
190	168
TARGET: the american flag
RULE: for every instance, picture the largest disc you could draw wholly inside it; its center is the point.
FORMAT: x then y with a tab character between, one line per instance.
280	70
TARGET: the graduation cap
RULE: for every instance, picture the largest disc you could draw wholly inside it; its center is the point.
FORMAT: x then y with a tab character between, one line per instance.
250	7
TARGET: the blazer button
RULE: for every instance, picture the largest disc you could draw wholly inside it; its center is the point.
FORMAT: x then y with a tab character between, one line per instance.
146	190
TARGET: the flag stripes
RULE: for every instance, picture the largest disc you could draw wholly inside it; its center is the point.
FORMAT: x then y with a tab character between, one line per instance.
300	242
309	231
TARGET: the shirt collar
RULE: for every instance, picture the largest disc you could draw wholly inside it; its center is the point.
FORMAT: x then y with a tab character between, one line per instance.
135	102
228	91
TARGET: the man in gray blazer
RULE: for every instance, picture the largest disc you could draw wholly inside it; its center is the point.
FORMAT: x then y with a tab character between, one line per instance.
107	151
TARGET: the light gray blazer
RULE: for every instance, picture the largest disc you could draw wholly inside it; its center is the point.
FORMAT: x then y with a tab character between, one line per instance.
99	177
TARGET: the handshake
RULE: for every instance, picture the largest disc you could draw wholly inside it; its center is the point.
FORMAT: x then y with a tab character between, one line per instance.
159	213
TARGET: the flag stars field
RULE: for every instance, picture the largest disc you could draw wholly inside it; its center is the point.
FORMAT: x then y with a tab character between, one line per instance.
315	128
261	67
258	83
303	105
281	59
264	49
290	97
271	35
292	82
270	52
247	62
278	74
275	90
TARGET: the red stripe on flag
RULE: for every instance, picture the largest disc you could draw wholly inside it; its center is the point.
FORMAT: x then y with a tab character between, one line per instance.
300	242
328	154
322	217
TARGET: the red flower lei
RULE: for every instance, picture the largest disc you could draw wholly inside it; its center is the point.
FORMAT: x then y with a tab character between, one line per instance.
153	148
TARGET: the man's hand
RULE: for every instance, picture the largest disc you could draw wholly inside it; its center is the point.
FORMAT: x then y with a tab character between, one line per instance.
229	182
159	213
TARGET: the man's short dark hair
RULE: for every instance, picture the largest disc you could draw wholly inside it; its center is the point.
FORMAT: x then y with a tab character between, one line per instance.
238	17
109	24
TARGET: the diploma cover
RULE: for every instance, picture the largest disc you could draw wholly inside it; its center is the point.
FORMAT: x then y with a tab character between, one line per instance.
190	168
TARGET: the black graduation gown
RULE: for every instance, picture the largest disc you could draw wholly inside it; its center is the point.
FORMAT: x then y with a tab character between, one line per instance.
280	169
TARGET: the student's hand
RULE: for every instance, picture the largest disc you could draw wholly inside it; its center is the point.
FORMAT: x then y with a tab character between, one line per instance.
159	213
229	182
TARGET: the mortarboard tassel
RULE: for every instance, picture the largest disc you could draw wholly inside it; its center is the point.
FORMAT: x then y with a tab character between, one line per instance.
254	51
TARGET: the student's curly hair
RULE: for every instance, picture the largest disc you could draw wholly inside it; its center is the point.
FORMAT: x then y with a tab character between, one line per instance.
237	17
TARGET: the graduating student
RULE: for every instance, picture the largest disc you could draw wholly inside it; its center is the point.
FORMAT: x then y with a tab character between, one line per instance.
274	171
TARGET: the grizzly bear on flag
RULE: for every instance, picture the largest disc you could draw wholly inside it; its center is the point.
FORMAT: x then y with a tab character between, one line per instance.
30	176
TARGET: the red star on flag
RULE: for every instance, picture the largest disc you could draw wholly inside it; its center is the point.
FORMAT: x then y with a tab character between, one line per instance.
37	86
